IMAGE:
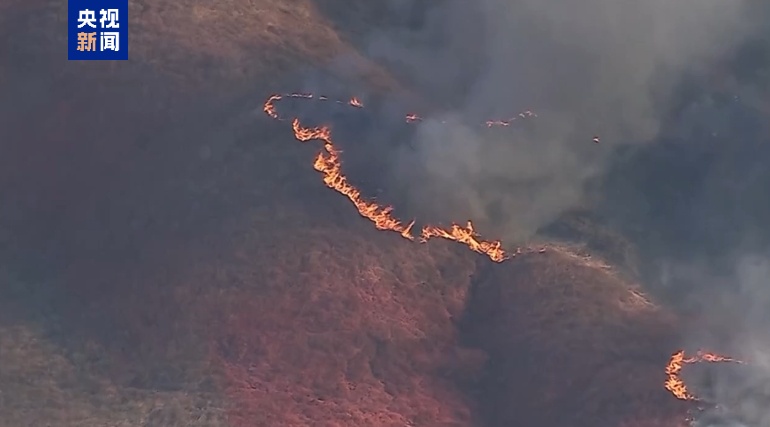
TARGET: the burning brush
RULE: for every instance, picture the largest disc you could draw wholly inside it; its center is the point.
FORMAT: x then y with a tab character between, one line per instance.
674	382
329	164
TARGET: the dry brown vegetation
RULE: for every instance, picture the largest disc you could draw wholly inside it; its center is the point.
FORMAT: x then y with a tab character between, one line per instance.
357	331
347	330
571	343
42	384
188	285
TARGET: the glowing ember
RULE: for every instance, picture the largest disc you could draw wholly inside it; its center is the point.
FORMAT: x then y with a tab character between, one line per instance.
411	118
355	102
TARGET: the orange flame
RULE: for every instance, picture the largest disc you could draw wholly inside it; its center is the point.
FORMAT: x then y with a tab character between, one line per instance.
329	164
674	382
412	118
466	235
523	115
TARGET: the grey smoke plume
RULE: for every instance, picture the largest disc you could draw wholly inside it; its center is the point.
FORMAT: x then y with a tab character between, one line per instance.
733	309
595	67
610	68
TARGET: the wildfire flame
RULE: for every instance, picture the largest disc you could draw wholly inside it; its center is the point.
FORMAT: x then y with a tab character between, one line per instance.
466	235
412	118
674	382
329	164
355	102
523	115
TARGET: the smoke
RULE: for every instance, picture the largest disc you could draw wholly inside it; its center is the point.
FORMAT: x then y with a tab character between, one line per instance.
690	185
597	67
733	318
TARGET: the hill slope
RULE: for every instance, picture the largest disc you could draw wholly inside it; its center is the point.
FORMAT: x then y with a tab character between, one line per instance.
173	259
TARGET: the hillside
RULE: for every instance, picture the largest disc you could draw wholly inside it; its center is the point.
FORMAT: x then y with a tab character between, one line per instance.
570	343
171	258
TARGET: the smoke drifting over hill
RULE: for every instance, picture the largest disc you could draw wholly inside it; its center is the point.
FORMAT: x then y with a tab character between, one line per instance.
690	184
601	67
729	310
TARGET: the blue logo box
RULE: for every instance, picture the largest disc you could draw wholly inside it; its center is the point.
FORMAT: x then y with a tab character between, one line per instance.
97	30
